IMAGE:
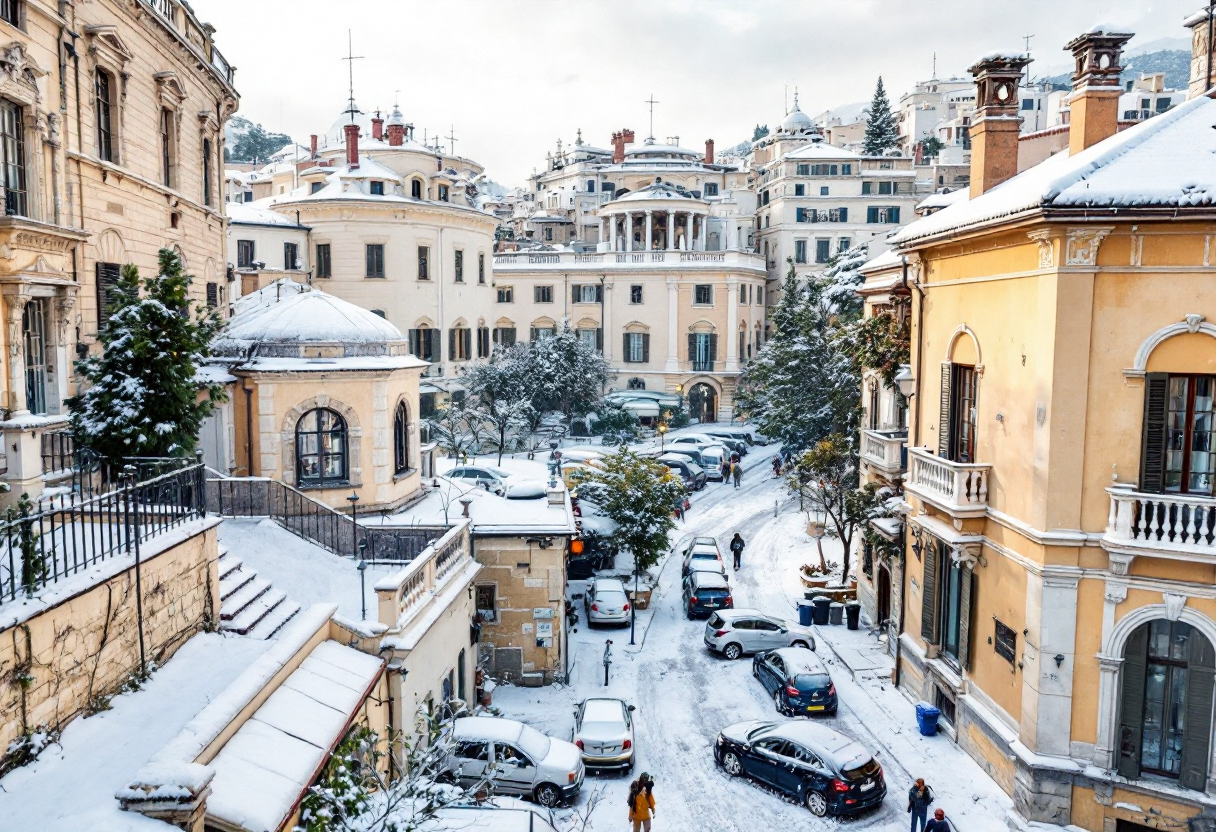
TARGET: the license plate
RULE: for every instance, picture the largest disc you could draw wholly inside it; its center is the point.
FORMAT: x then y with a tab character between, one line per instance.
865	787
814	707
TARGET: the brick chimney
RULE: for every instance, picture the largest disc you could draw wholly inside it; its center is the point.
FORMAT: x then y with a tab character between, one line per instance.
396	135
709	151
995	124
352	144
1202	57
1094	104
619	140
377	127
312	144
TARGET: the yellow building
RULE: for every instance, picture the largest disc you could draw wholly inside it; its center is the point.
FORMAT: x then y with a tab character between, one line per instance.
1059	599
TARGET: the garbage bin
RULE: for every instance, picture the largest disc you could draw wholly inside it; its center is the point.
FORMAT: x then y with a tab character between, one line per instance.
926	718
809	594
852	613
836	613
820	610
805	613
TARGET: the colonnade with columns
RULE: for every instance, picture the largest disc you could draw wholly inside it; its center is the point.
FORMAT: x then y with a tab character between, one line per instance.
656	230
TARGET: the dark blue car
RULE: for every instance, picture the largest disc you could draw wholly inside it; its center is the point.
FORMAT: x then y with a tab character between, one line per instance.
797	681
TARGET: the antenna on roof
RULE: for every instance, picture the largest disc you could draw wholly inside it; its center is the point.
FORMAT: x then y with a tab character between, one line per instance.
651	102
451	137
396	99
351	109
795	98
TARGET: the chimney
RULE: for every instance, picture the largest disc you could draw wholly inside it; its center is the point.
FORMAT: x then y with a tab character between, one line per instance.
377	127
995	123
312	144
396	135
1094	104
352	144
1202	71
709	151
618	148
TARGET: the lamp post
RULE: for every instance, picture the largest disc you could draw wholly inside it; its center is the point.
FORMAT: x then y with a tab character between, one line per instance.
662	436
353	499
633	608
905	381
362	567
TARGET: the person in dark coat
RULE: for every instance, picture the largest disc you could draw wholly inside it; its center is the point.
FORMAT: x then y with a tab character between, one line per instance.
939	823
776	466
725	471
736	471
919	798
736	547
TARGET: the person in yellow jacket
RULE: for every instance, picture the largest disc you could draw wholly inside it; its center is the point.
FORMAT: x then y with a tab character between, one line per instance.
641	802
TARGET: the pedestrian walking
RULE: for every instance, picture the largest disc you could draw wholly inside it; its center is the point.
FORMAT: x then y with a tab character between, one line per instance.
725	471
736	548
777	467
938	824
736	471
641	804
919	798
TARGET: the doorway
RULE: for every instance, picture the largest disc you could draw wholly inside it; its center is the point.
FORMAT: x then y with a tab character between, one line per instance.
884	595
703	403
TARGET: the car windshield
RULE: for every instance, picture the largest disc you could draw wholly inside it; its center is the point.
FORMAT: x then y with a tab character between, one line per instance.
498	472
702	555
807	682
713	592
534	743
868	769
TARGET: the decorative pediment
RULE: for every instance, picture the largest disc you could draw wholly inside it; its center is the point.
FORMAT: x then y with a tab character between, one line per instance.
105	42
19	74
207	122
170	88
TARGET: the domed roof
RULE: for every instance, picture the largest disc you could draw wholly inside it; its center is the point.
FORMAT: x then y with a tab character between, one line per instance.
657	190
650	149
796	121
395	117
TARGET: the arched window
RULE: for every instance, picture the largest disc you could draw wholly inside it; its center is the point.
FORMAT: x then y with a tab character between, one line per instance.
321	448
1165	720
416	188
401	440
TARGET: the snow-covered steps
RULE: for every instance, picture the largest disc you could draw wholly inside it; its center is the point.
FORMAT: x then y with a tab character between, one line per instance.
249	605
275	620
240	599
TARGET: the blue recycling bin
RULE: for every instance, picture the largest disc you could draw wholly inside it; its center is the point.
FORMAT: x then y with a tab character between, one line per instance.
805	613
926	718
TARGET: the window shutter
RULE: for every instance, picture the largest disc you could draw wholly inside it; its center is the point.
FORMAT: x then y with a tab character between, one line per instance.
966	589
844	214
625	356
414	342
872	214
713	347
468	342
1197	735
510	332
928	609
451	344
1131	703
692	347
943	432
108	275
893	214
533	334
576	293
645	347
599	294
599	338
1153	433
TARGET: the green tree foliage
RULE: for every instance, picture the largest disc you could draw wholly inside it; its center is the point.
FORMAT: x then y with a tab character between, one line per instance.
500	392
881	130
931	146
760	131
615	422
882	342
252	142
566	373
140	397
639	495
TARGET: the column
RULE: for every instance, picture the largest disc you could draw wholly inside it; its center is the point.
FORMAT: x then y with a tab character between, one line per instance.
703	235
628	231
1051	605
14	309
732	324
603	225
673	323
606	319
649	229
671	230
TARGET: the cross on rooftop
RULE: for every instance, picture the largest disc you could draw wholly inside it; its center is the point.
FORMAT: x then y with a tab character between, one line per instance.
651	102
350	58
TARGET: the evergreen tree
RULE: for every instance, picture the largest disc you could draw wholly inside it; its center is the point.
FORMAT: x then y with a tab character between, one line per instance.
252	142
841	280
881	130
566	373
140	397
760	131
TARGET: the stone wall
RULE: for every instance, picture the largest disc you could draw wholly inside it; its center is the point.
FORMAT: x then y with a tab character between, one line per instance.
71	656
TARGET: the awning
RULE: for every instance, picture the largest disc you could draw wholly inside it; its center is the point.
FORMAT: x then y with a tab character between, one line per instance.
642	409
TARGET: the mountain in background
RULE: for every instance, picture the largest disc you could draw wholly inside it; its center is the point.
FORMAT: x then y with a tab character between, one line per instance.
1175	63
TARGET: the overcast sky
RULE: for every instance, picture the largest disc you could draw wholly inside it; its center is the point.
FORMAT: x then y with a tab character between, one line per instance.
515	75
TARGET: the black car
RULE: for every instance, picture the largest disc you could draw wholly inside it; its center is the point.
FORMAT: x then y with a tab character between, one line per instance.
692	474
705	592
797	681
824	770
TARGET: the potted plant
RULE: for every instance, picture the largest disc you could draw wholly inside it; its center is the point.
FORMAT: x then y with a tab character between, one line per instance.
813	576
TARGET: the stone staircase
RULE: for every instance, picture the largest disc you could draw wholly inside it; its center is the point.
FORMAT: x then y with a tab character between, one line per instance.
249	605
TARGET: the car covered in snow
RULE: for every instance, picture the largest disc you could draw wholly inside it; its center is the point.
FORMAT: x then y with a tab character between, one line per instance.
709	457
822	769
703	548
689	472
705	592
515	758
603	732
735	632
490	477
732	444
797	680
606	602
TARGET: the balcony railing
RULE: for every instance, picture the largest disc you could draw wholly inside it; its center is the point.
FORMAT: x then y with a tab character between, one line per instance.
702	365
1171	522
736	258
884	449
957	487
403	595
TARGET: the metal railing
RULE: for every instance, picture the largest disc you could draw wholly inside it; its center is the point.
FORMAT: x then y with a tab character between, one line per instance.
314	521
58	452
60	536
92	476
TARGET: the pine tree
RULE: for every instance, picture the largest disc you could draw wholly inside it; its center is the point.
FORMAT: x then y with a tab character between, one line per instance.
140	397
567	374
841	280
881	130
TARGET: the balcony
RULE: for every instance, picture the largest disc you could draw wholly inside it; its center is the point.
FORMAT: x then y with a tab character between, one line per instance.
1163	525
608	261
884	450
959	488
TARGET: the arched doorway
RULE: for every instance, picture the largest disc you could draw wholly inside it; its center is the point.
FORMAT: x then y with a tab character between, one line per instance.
883	605
703	403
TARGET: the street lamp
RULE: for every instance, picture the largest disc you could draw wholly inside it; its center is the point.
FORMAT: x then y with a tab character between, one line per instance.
362	567
905	381
662	436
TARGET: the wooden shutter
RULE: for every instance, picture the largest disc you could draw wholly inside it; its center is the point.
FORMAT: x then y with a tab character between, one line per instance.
713	347
928	608
943	433
576	293
1153	433
966	590
1197	735
893	214
108	275
414	345
533	334
452	343
467	337
692	346
871	212
599	293
645	347
1131	704
599	338
844	214
625	348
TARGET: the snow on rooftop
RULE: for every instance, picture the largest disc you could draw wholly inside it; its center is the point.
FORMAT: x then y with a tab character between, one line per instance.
656	190
883	261
821	150
1166	161
941	200
304	317
1004	55
253	213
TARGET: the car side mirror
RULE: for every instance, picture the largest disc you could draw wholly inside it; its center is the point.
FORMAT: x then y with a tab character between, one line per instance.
633	707
760	656
784	630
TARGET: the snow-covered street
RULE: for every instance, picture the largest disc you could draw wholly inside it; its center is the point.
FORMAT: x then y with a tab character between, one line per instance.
684	695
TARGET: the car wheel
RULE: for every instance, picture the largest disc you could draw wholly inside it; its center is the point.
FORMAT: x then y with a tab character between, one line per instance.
781	709
548	796
816	803
732	764
732	651
800	644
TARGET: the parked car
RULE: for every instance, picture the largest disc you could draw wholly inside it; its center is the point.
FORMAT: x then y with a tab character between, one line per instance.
606	602
708	457
715	567
824	770
731	443
690	472
705	592
744	436
594	556
603	732
797	681
735	632
516	758
490	477
702	551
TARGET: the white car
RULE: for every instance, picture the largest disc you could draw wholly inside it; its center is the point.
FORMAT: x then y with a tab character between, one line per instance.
735	632
702	551
606	602
603	732
490	477
516	758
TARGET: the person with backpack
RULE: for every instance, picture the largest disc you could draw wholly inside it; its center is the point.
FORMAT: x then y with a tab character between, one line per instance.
736	547
641	803
736	471
919	798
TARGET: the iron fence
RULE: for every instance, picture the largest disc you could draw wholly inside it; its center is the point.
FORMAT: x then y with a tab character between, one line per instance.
316	522
58	452
45	542
92	475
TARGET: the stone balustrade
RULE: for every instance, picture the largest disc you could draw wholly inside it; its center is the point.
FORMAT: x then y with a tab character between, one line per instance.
960	488
1179	523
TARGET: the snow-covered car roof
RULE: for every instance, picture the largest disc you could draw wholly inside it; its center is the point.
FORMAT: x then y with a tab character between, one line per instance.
841	752
800	660
604	710
490	728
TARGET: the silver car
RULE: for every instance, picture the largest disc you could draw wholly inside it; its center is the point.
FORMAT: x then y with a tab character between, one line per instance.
516	758
735	632
603	732
606	602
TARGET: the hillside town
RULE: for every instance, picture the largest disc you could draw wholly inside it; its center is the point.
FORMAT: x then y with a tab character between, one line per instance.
856	473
